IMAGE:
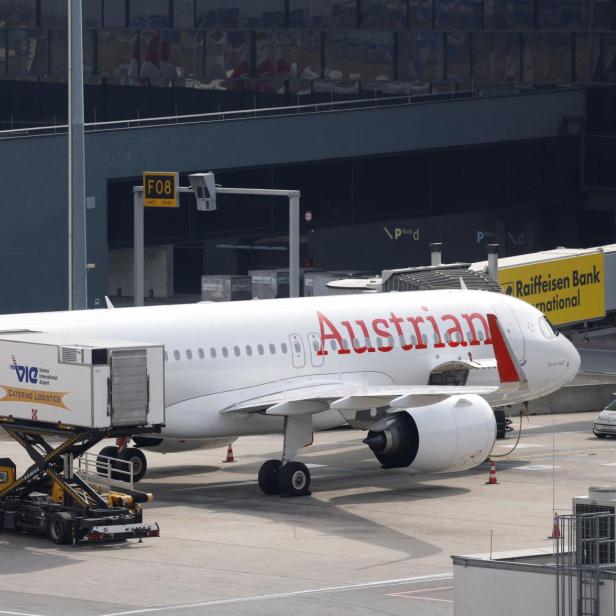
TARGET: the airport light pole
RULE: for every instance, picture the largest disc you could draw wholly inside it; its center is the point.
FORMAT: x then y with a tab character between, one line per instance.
77	267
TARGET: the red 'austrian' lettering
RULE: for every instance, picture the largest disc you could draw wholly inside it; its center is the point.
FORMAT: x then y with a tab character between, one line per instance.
417	332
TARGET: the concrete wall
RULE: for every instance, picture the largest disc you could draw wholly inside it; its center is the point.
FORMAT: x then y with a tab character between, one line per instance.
33	199
509	589
486	592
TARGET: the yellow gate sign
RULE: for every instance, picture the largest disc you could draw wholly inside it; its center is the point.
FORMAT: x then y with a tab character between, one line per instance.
160	189
565	290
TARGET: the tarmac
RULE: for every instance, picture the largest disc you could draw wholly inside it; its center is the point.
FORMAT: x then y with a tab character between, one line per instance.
368	540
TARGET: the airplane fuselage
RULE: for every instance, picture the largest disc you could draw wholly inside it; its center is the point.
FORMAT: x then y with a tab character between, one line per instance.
219	355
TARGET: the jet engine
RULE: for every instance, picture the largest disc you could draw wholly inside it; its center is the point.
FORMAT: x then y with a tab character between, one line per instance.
455	434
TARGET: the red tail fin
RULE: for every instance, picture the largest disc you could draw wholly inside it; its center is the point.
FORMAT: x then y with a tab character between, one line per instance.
509	370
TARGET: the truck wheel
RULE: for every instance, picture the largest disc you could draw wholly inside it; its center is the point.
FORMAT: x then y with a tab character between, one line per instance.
140	463
60	528
101	465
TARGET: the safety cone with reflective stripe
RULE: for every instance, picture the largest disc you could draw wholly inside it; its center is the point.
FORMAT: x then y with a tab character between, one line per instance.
555	528
230	457
492	480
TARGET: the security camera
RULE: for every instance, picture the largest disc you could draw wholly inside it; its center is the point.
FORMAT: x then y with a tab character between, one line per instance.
204	188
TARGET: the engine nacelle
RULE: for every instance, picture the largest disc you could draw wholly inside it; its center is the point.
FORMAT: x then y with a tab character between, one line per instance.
453	435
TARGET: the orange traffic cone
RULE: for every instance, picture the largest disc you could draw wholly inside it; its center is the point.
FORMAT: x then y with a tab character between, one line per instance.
492	480
230	457
555	528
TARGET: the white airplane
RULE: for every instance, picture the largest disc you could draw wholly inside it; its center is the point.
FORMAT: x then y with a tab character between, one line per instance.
420	370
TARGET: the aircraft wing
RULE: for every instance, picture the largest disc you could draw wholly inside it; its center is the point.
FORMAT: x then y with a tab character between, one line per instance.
353	397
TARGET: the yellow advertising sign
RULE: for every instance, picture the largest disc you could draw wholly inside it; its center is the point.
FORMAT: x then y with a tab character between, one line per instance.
20	394
565	290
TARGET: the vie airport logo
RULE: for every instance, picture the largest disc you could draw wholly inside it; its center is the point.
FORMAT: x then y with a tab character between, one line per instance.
395	233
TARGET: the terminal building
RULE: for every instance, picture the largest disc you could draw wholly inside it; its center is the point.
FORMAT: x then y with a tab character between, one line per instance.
402	122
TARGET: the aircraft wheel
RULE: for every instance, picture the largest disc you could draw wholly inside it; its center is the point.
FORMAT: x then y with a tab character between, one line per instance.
140	463
294	479
268	477
101	465
600	435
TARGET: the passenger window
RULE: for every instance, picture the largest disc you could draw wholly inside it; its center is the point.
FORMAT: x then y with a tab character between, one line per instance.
225	352
272	348
213	353
188	354
332	345
248	350
260	349
345	345
315	346
414	340
283	348
236	351
201	354
298	349
480	335
424	338
176	355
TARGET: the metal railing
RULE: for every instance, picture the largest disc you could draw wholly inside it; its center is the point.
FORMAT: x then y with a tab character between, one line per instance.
585	548
105	471
269	112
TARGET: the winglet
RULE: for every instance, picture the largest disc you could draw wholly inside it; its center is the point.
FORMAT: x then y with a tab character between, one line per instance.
509	370
110	306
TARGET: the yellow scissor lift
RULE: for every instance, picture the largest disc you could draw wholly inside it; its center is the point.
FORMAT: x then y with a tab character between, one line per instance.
76	391
53	500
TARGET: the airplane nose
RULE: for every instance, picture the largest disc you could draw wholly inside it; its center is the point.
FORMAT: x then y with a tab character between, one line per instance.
573	358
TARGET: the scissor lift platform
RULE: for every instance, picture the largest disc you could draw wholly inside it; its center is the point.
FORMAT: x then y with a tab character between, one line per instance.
52	499
78	392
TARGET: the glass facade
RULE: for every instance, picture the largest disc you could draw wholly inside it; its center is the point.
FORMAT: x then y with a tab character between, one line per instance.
231	54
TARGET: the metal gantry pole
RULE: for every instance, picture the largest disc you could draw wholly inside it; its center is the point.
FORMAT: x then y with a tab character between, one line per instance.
294	252
294	237
138	241
77	273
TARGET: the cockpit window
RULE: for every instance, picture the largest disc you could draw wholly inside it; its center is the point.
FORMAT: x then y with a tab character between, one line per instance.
611	406
547	329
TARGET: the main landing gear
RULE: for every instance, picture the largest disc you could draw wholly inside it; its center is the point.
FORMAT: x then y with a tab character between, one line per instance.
288	477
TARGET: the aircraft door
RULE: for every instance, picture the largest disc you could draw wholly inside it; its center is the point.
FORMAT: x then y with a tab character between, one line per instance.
297	351
512	330
314	344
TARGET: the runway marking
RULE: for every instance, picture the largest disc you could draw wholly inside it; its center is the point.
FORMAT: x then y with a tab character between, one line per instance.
285	595
410	594
311	465
18	613
609	464
520	446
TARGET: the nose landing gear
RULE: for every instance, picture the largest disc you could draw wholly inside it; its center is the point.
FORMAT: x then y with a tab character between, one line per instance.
127	454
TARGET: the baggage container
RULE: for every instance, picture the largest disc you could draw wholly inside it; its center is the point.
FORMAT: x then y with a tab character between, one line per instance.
92	383
270	284
226	288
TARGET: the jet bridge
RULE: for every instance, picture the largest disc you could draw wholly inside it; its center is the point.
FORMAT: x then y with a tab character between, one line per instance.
78	391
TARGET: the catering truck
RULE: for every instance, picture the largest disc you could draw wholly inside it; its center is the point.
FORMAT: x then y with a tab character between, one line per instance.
78	391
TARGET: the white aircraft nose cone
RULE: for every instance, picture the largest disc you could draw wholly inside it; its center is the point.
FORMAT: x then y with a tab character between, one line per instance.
573	359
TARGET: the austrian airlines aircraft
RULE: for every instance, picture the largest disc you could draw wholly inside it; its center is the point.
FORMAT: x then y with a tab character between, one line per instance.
420	370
